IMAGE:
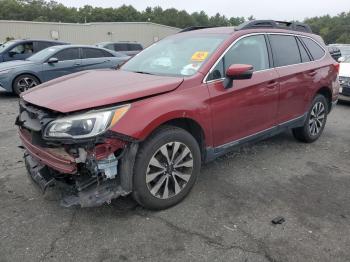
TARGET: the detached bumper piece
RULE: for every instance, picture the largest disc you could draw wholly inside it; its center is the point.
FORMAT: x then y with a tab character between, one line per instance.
39	174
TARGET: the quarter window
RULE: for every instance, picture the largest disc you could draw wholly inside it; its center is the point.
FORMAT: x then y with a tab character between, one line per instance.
316	51
303	53
68	54
217	72
285	50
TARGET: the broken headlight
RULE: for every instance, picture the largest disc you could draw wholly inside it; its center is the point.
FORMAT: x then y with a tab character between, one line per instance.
85	125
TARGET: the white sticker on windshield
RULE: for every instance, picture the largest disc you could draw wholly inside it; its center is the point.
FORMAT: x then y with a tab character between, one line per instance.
190	69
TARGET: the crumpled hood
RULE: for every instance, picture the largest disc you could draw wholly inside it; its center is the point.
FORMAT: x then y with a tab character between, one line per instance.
14	64
90	89
344	69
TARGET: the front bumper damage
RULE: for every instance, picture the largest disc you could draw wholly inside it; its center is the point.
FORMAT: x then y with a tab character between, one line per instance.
87	173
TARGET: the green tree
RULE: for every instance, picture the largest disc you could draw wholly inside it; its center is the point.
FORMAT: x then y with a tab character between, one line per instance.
200	19
334	29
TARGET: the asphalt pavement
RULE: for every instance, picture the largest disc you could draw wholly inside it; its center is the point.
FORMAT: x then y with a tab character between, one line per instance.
227	216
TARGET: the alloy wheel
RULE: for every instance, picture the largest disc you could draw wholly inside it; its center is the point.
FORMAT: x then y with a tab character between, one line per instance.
26	83
169	170
317	117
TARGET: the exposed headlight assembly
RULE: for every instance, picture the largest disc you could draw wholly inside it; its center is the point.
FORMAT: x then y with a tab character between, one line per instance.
85	125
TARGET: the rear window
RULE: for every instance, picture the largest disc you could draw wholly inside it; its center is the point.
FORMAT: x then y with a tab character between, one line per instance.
316	51
94	53
109	46
285	50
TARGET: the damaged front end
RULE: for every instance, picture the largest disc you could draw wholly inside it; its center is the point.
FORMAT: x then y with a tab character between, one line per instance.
77	154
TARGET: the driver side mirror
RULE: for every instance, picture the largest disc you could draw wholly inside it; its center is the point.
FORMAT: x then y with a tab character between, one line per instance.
341	59
52	60
237	72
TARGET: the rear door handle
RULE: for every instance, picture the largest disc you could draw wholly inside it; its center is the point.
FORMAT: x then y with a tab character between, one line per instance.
312	73
272	84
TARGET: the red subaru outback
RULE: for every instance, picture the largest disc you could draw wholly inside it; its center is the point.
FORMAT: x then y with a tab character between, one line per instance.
145	128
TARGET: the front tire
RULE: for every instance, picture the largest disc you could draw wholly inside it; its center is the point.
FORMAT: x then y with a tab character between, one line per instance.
24	82
315	121
166	168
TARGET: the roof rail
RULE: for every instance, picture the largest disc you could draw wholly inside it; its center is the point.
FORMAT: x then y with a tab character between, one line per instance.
192	28
295	26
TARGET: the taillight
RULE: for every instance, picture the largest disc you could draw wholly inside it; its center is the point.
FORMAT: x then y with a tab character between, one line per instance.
337	66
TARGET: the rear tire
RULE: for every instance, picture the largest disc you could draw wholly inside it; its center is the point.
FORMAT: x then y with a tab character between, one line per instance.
166	168
315	121
23	83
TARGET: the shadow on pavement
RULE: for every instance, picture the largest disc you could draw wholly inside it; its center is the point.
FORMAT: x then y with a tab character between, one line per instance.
6	95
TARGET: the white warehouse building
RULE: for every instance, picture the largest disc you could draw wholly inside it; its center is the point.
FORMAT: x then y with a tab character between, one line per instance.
145	33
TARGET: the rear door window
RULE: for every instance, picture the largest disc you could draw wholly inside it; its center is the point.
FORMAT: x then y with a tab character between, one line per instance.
285	50
95	53
68	54
316	51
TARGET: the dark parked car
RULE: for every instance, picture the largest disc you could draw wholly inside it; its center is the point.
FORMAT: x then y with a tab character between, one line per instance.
344	49
127	48
22	49
53	62
194	96
344	79
335	52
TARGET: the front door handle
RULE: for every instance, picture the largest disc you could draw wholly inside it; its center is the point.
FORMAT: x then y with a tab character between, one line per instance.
272	84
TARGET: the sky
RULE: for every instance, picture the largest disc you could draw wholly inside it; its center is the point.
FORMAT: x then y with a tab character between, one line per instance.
260	9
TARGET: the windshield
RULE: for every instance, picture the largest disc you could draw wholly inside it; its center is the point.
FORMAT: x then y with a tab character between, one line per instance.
43	54
175	56
5	45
